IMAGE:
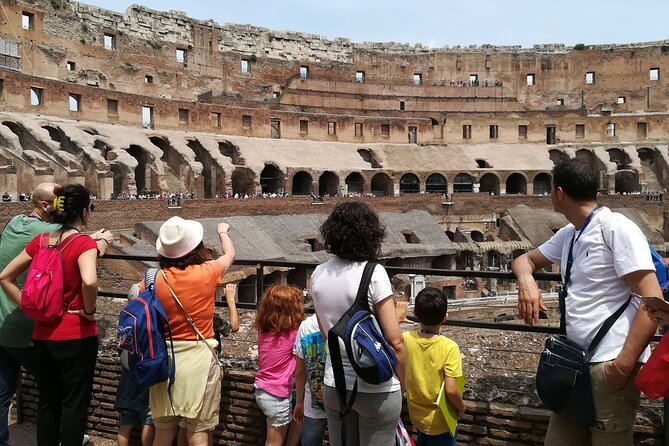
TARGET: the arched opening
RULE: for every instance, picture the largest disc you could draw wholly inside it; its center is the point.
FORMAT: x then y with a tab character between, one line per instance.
143	161
271	180
557	155
436	183
120	172
489	184
463	183
87	164
302	183
450	235
627	181
214	175
243	181
173	162
354	183
434	121
585	155
464	260
646	156
443	262
409	184
477	236
328	184
382	184
368	156
619	157
542	184
516	184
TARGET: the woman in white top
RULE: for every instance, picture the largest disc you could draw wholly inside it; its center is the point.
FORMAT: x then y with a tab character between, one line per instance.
353	234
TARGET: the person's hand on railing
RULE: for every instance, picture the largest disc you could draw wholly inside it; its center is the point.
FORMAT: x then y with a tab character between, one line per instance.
530	301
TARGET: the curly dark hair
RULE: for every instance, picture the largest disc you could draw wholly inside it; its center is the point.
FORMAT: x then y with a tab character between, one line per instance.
76	200
196	257
353	232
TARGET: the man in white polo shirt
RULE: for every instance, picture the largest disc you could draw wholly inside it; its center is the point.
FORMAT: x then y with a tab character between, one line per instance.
611	259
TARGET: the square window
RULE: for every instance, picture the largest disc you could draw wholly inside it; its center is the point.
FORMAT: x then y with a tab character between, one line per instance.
147	117
654	74
580	130
148	79
494	131
304	72
109	41
360	77
641	129
610	130
530	79
417	78
559	102
71	66
590	77
466	131
304	126
27	20
181	56
276	94
385	130
401	105
245	65
75	102
183	114
216	120
332	128
473	79
522	132
246	121
358	129
36	96
112	106
620	100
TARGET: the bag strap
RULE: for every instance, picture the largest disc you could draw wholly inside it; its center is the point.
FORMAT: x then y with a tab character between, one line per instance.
608	323
338	331
198	333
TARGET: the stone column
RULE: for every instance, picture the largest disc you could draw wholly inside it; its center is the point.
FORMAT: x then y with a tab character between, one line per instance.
44	175
530	188
9	181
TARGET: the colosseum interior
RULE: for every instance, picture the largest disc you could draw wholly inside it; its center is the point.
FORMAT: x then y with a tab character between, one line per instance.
454	146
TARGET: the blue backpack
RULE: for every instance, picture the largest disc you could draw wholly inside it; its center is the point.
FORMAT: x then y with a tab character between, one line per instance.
367	350
660	269
141	337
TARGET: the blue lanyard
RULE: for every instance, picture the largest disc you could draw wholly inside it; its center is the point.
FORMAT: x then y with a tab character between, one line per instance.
574	239
585	223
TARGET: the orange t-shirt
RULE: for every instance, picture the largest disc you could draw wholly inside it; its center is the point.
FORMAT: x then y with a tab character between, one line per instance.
195	287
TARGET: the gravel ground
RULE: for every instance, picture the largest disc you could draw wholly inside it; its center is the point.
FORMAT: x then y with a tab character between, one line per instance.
24	435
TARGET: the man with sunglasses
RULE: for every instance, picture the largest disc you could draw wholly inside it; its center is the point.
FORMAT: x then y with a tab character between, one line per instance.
15	327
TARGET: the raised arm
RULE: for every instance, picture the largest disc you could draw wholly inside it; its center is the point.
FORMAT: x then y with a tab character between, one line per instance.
227	247
11	272
230	293
529	294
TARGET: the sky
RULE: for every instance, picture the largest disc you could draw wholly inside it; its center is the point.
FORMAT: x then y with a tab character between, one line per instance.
437	23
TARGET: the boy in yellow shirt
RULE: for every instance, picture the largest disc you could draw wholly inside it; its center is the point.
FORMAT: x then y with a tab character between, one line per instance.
431	360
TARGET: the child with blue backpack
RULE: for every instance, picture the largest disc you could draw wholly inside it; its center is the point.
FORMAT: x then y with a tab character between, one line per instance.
132	401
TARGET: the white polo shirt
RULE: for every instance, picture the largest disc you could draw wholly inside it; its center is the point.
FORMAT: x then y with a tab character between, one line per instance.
596	288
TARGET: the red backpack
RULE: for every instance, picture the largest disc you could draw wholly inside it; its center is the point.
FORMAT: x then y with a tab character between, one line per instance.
42	296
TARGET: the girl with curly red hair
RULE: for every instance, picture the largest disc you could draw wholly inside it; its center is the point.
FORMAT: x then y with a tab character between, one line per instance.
279	315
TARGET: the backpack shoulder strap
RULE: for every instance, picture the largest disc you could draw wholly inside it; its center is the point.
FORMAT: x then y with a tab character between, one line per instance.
361	299
150	277
67	241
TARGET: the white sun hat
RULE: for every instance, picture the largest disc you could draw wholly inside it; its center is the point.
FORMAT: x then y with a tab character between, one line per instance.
177	237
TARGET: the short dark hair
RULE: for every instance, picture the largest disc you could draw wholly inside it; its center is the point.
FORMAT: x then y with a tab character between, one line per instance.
196	257
75	200
577	178
353	232
431	306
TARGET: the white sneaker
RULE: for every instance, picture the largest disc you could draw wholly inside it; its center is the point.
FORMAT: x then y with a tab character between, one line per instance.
87	440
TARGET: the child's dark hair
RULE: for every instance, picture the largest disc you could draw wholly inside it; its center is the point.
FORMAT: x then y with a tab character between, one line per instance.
431	306
71	201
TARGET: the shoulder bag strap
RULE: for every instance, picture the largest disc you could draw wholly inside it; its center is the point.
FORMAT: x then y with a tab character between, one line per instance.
562	295
608	323
189	319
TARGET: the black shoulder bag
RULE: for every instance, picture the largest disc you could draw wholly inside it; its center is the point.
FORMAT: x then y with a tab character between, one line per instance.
563	375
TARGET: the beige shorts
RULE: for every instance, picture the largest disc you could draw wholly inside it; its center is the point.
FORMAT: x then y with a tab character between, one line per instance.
207	419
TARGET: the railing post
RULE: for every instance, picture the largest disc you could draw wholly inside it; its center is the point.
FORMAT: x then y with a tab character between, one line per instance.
260	281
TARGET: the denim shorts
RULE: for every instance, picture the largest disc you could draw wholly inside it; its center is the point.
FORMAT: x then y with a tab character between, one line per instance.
276	409
131	417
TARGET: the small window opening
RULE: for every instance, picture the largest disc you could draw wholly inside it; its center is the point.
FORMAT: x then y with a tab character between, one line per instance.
482	164
332	128
112	106
109	41
276	94
385	130
590	77
610	130
474	80
522	131
559	102
75	102
148	79
494	131
27	20
304	126
410	237
654	74
466	131
71	66
620	100
216	120
181	56
304	72
580	130
641	129
147	117
551	137
314	243
360	77
36	96
417	78
358	129
401	105
245	65
530	79
413	134
246	121
183	115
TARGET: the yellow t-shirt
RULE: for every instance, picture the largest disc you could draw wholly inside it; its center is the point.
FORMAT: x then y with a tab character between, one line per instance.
429	360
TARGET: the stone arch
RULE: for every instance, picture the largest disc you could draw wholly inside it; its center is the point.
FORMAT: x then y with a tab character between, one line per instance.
382	184
556	155
178	173
145	177
243	181
627	181
585	155
271	180
354	183
369	156
88	165
121	175
489	184
444	261
542	184
436	183
516	183
450	235
213	173
619	157
477	236
647	156
302	183
463	182
409	184
328	184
